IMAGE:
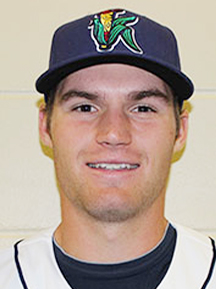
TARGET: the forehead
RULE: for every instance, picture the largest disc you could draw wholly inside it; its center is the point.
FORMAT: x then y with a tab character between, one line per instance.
113	78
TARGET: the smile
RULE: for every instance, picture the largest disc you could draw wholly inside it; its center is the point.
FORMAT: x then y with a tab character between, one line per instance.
113	166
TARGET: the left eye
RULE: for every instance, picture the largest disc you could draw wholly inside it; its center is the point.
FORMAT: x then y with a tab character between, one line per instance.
143	108
85	108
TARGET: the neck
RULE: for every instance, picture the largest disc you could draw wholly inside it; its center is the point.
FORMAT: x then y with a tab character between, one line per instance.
94	241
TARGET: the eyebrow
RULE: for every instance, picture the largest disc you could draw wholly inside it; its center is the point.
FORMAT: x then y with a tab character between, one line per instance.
77	93
150	93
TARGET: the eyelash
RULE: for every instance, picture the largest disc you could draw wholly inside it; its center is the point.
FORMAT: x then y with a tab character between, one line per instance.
144	108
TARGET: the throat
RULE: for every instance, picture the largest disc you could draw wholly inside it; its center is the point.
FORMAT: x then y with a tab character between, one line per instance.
109	243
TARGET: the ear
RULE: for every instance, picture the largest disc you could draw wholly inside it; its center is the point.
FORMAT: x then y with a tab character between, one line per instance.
182	133
43	129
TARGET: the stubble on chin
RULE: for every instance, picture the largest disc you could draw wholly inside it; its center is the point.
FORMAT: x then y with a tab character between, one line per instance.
113	208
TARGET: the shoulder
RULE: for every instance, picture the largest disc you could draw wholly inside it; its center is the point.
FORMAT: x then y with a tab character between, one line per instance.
195	254
193	239
9	273
40	240
5	256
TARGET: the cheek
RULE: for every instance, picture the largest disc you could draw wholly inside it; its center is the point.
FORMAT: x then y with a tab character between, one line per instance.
70	143
156	134
64	133
156	141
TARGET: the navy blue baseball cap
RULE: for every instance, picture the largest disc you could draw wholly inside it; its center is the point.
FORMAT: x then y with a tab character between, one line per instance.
115	36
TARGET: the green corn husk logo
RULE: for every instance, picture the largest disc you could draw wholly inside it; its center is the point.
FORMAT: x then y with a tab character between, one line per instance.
107	29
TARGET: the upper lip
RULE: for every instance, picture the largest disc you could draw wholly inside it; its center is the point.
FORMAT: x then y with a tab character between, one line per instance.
115	162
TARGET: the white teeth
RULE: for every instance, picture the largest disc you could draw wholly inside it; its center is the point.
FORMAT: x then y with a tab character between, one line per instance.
106	166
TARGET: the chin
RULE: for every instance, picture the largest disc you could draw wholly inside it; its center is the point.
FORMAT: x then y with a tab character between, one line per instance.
114	209
112	215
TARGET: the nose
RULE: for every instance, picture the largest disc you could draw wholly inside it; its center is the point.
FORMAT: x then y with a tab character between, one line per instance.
114	129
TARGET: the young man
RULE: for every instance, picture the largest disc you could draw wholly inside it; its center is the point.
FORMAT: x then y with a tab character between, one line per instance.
113	117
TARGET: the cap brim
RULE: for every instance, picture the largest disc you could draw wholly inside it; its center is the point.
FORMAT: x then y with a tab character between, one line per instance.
178	81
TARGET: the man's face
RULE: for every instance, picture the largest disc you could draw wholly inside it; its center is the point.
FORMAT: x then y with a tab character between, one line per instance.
113	134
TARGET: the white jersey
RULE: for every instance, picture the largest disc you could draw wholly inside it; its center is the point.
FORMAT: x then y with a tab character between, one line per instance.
31	264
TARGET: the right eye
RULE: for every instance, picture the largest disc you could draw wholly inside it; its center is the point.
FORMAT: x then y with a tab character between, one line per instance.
85	108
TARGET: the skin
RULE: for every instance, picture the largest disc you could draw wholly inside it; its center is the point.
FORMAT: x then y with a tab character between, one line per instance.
112	113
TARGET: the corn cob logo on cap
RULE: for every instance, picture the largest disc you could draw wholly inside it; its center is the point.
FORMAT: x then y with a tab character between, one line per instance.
109	27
